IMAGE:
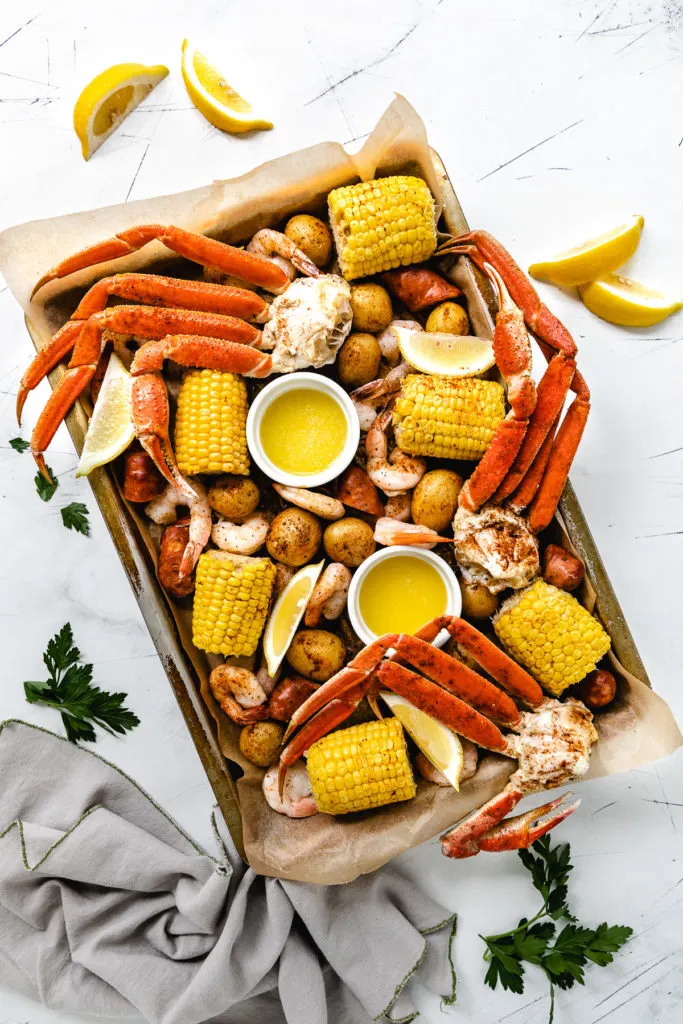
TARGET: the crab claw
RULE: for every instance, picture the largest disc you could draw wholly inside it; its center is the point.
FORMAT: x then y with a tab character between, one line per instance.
486	830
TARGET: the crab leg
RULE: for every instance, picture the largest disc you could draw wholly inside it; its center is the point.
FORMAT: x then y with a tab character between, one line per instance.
503	669
524	493
333	714
155	290
458	679
442	705
512	350
45	361
209	252
486	830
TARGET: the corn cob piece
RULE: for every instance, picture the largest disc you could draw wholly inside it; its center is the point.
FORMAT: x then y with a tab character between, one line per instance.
231	601
381	224
210	429
447	419
551	634
361	767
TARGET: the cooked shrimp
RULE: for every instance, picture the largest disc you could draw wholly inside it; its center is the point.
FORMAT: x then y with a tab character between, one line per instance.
376	391
388	340
397	474
239	694
264	678
272	244
319	504
162	510
297	796
283	574
392	531
399	507
329	594
241	538
432	774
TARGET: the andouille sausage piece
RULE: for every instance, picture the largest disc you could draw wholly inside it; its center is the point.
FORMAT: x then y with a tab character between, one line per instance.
288	696
561	568
173	543
598	689
142	481
418	288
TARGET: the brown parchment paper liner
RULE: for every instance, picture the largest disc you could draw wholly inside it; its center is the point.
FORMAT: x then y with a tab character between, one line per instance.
637	729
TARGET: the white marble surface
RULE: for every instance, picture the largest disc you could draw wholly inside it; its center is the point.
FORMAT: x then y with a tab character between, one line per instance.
556	118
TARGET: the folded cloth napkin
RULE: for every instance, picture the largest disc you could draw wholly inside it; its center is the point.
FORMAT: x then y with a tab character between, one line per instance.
107	907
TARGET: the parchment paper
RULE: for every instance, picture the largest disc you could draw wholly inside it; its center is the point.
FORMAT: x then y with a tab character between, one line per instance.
638	728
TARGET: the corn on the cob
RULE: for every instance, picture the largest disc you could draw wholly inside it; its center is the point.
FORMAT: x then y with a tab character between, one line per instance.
551	634
447	419
210	429
361	767
381	224
231	601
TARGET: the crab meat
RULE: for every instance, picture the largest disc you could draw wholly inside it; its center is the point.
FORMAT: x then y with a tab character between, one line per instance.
496	547
308	323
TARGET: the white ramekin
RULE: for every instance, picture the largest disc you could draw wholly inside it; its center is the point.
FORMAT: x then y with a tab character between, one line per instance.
453	595
297	381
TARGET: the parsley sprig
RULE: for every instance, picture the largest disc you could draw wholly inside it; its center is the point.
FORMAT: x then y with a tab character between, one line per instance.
75	517
70	690
561	956
19	444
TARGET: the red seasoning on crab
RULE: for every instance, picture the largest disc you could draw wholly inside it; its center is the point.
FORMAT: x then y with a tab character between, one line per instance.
496	547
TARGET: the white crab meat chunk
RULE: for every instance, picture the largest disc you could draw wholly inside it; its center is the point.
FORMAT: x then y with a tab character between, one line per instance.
308	323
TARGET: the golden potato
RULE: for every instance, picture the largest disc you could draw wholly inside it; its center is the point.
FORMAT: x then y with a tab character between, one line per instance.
435	499
448	318
312	236
316	654
294	537
234	497
260	742
371	307
358	360
477	601
349	541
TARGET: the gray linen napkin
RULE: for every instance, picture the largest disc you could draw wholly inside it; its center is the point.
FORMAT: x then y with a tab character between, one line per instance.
107	907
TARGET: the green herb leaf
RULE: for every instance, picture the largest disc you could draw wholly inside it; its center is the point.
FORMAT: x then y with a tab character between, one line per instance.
75	517
70	690
19	444
45	489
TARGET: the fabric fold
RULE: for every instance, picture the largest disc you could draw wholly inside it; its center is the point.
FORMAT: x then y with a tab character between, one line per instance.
108	907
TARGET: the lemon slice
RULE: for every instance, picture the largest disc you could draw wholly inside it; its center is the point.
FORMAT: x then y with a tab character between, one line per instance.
109	98
438	743
110	430
287	614
595	258
214	98
449	355
619	300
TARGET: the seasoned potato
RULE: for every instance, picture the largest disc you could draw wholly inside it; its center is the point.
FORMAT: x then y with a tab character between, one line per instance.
477	601
316	654
371	307
435	499
294	537
349	541
312	236
358	360
448	318
234	497
260	742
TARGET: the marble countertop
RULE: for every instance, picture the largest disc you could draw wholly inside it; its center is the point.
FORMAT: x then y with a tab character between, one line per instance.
556	119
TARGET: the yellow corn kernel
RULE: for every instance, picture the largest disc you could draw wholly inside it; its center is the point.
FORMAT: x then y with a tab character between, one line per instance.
210	428
381	224
445	418
361	767
231	602
550	633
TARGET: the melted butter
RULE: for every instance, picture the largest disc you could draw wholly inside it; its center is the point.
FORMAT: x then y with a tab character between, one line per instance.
401	594
303	431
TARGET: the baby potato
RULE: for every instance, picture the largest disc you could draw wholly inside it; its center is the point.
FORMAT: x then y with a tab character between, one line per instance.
477	601
349	541
358	360
312	236
371	307
234	497
294	537
448	318
260	742
435	499
316	654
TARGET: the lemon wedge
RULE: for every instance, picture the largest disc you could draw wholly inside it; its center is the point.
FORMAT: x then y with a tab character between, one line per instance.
619	300
449	355
438	743
109	98
595	258
287	614
214	98
110	430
